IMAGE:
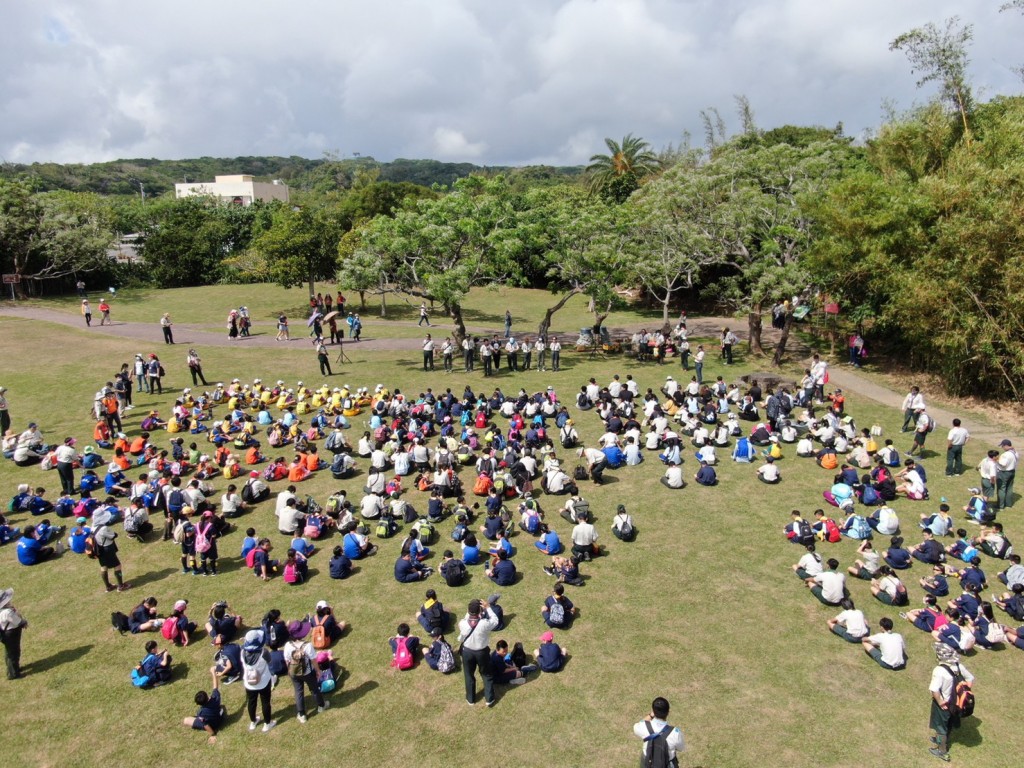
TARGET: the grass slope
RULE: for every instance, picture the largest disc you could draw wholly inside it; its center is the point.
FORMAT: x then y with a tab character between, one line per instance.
702	608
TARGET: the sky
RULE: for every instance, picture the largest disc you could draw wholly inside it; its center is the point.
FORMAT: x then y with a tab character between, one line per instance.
495	82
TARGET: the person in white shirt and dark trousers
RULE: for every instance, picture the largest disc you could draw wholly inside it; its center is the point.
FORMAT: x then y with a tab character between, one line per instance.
474	638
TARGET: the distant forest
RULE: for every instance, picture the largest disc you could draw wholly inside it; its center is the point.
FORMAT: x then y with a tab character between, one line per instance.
122	177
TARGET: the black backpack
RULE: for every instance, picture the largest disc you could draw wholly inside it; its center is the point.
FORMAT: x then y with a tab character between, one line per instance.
656	750
455	573
247	494
804	534
120	622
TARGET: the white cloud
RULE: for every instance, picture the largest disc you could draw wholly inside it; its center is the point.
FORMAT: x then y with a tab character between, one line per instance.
534	80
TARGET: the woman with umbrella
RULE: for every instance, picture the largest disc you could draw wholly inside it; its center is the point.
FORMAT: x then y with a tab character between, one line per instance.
233	324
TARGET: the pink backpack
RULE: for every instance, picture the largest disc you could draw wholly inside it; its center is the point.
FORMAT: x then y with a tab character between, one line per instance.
403	658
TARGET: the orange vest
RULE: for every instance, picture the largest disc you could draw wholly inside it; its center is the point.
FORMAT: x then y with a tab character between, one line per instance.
312	461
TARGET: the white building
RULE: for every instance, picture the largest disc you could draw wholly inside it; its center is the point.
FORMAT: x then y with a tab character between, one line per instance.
239	189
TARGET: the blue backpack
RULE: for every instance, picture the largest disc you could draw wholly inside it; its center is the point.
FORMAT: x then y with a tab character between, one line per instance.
869	496
859	528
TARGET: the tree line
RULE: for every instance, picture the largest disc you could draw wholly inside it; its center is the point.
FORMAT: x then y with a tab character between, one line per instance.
915	232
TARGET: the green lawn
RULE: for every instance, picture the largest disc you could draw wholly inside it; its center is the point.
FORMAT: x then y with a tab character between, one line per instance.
483	308
702	608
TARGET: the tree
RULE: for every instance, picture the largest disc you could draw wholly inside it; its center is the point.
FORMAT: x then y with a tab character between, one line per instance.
185	242
438	249
618	174
941	55
50	235
301	245
577	238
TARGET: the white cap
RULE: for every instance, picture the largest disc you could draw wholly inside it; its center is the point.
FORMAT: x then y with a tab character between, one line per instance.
322	604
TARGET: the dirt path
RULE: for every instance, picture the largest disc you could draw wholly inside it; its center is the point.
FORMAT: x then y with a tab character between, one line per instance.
200	335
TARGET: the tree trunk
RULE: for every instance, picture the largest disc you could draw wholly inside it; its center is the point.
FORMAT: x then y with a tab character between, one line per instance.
545	324
601	316
780	349
665	327
312	284
383	304
754	328
458	324
362	301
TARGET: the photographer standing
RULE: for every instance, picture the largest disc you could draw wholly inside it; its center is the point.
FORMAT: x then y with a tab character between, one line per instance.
474	637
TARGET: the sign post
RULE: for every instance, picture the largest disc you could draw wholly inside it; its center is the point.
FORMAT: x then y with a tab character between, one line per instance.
11	280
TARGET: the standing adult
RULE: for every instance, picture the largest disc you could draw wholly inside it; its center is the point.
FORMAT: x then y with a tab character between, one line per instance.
728	339
165	326
467	354
1006	470
80	287
475	636
257	679
5	415
11	625
944	718
154	375
105	313
322	356
428	353
195	367
141	380
658	736
66	456
819	373
556	353
232	324
508	323
512	352
87	312
540	347
446	354
911	403
698	363
423	315
956	439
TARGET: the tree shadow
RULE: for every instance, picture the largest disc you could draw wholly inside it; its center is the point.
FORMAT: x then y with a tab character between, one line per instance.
152	576
67	656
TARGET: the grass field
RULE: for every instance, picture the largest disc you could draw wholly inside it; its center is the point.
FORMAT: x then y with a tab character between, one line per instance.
210	304
702	608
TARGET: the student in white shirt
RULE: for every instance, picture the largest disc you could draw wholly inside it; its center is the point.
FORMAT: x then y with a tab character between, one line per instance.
850	624
768	472
886	647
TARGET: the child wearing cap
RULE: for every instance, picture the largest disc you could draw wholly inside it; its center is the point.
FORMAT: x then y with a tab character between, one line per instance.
550	656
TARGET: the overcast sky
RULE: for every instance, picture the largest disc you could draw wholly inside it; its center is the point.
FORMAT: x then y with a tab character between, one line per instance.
484	81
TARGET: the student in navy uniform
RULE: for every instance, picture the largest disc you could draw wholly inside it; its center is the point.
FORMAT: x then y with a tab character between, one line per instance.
340	565
432	614
221	623
407	571
144	617
228	661
503	573
896	556
211	712
706	474
550	657
568	609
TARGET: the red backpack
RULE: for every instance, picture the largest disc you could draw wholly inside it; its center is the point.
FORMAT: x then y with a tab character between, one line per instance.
832	532
250	558
403	658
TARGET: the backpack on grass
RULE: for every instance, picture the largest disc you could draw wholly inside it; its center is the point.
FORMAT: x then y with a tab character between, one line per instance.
120	622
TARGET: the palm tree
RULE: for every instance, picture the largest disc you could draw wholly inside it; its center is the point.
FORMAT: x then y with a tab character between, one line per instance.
617	174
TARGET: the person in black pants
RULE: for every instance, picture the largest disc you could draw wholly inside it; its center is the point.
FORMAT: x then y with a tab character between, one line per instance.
322	356
475	635
195	367
11	625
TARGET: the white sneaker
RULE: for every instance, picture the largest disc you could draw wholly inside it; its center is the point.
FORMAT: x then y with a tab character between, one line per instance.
301	718
327	705
268	726
517	681
253	724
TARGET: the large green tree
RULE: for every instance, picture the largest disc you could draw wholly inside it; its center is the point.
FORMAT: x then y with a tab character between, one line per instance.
300	245
438	249
51	235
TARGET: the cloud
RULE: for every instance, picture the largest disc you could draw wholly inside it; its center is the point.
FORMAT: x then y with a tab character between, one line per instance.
530	81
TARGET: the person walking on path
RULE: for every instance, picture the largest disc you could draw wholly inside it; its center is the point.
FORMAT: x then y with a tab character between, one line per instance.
956	439
1006	470
424	318
165	326
474	638
659	737
944	718
87	312
11	625
105	313
323	357
282	328
195	367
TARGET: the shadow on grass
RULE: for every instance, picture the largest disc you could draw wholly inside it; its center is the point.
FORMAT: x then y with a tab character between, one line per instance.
969	733
152	576
67	656
350	696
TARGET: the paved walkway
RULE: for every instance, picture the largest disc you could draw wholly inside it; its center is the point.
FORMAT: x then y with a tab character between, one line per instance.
197	335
